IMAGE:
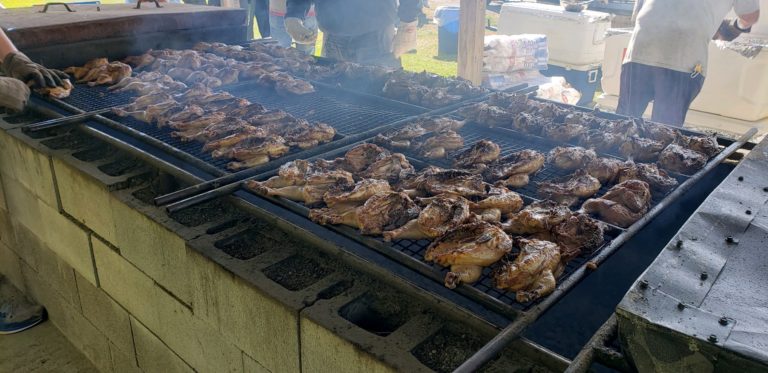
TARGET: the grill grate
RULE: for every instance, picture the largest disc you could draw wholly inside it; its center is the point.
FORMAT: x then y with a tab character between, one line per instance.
349	114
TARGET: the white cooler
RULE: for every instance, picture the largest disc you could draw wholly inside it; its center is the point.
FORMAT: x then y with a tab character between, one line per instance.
735	86
572	38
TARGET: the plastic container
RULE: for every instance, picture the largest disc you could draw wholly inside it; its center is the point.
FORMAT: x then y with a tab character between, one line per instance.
584	79
573	38
734	87
447	19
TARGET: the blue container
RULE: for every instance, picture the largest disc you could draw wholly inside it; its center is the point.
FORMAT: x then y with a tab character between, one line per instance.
583	79
447	19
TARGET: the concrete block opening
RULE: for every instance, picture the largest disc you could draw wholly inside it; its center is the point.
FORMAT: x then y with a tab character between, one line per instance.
445	350
297	272
380	315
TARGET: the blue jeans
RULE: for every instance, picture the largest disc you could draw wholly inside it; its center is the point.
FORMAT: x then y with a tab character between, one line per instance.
277	31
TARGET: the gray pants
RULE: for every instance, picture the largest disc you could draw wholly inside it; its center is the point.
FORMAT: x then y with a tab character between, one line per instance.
374	48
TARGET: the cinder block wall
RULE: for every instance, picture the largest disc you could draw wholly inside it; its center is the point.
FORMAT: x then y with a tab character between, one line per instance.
125	289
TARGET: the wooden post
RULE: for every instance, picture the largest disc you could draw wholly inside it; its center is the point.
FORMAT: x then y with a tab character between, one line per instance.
471	35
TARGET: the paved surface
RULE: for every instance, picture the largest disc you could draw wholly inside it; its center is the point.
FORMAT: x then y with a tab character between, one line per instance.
41	349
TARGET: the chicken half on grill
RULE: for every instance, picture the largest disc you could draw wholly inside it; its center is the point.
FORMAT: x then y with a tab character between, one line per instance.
482	152
514	169
344	197
706	145
534	272
499	202
622	205
540	216
605	170
441	214
311	191
295	173
467	249
657	179
578	233
641	149
381	212
361	157
675	158
487	115
571	158
570	189
437	145
454	182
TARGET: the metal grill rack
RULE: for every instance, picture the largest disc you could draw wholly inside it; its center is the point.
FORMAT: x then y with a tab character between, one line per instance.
350	114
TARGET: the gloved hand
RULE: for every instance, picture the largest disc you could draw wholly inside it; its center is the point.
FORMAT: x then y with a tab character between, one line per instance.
730	30
14	94
300	33
17	65
405	38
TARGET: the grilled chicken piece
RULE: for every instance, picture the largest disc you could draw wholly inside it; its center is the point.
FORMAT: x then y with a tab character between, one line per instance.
467	249
569	190
540	216
382	212
656	178
623	204
296	173
571	158
307	135
641	149
487	115
57	92
361	157
527	123
247	111
194	94
227	75
604	170
142	88
188	113
438	144
311	191
390	168
577	234
499	202
675	158
706	145
249	148
661	133
524	162
140	61
112	74
401	138
563	132
438	124
190	59
344	197
482	152
534	272
80	72
229	135
180	73
601	140
626	127
442	214
199	123
455	182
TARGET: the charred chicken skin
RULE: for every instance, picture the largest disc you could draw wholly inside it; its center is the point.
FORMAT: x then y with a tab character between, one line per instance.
675	158
622	205
656	178
381	212
641	149
605	170
534	272
571	158
442	214
578	233
343	197
537	217
482	152
513	170
310	192
706	145
568	191
467	249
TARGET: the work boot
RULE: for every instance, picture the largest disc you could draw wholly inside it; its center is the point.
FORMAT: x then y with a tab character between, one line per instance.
19	316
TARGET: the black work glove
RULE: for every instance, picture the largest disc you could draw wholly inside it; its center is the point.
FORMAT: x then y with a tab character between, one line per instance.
729	30
14	94
17	65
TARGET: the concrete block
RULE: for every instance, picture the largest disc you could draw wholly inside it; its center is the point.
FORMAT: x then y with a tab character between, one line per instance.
3	205
252	366
59	275
263	327
194	340
28	166
10	267
57	232
106	315
6	229
85	199
323	351
153	355
83	335
123	362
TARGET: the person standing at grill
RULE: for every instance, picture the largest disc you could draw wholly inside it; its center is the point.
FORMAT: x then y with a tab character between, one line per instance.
277	9
16	312
358	30
666	60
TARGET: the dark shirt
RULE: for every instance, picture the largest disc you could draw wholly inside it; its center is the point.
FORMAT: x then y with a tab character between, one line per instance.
355	17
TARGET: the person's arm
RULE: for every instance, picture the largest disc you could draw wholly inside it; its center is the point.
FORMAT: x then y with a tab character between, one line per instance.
297	8
6	45
748	13
409	10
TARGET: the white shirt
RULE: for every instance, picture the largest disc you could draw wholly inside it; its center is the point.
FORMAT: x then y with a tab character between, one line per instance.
675	34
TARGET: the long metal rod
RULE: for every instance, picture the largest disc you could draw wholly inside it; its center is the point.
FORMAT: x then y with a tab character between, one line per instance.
63	121
583	360
514	329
